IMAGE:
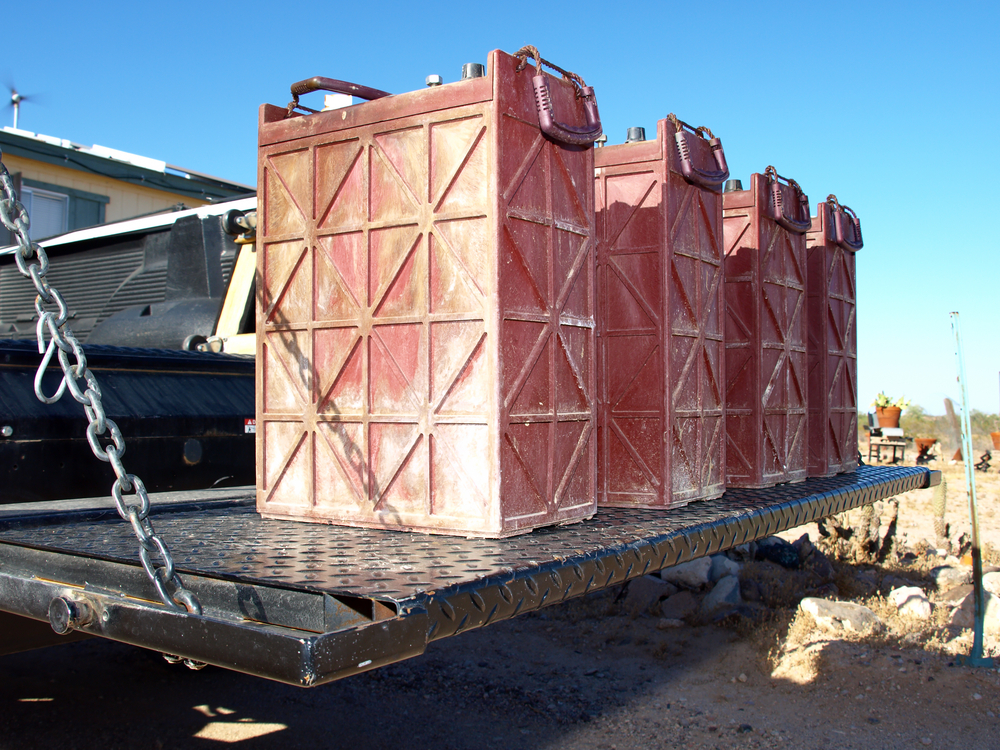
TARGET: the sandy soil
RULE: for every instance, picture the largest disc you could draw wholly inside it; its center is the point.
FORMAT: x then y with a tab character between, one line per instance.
585	674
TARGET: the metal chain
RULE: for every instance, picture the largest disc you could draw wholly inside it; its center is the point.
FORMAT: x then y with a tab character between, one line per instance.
33	263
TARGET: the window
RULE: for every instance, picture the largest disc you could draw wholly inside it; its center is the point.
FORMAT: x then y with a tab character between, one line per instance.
55	209
49	211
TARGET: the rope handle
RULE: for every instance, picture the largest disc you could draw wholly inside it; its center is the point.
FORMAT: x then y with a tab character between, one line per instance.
529	51
559	131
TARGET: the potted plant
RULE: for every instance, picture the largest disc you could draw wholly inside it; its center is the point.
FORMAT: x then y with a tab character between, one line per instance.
888	409
924	443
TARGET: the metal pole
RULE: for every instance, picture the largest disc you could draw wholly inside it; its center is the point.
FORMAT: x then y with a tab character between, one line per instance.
975	657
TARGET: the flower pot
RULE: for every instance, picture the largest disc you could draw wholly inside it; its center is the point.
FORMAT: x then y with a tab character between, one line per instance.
924	444
995	437
888	416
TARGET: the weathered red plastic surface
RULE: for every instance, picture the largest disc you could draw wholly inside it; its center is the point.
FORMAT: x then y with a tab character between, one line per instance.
766	390
832	349
661	435
426	328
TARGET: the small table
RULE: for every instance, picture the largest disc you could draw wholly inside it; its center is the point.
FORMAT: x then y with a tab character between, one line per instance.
894	443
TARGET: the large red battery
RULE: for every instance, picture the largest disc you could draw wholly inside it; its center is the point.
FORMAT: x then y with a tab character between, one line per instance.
765	277
832	341
661	435
425	320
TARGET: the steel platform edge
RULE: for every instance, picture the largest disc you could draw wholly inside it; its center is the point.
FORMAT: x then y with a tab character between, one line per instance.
306	604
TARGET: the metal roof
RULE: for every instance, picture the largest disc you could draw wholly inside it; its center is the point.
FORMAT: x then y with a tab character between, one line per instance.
118	165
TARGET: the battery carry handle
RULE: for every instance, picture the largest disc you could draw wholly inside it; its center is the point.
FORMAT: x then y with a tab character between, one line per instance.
559	131
319	83
569	134
712	180
842	217
776	206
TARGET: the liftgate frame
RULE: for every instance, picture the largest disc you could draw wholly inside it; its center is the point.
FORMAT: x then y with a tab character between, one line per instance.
307	603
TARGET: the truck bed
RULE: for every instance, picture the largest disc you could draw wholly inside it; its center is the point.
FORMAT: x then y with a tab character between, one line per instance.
307	603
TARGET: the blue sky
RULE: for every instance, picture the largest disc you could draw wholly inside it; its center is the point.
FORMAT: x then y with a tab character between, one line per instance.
891	105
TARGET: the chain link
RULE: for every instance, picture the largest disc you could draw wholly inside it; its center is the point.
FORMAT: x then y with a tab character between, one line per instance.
82	385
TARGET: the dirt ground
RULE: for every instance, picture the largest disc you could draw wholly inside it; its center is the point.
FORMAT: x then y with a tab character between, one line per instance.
584	674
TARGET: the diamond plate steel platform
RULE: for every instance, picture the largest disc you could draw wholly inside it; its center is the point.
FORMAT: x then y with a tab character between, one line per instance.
307	603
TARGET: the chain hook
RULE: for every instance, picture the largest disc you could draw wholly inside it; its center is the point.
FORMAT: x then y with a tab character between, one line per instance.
63	343
40	373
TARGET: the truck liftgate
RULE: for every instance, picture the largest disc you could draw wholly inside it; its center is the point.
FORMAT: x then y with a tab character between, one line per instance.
307	603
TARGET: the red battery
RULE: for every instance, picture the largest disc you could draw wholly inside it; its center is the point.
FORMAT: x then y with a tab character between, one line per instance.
425	323
832	341
765	277
661	355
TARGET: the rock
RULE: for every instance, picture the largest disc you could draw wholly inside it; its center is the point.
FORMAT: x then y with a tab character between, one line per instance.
804	547
644	594
818	564
953	597
991	582
891	582
743	552
692	574
911	601
964	616
949	576
725	595
777	550
722	566
679	606
841	616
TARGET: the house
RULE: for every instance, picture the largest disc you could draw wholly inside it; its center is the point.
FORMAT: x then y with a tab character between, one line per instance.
66	186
